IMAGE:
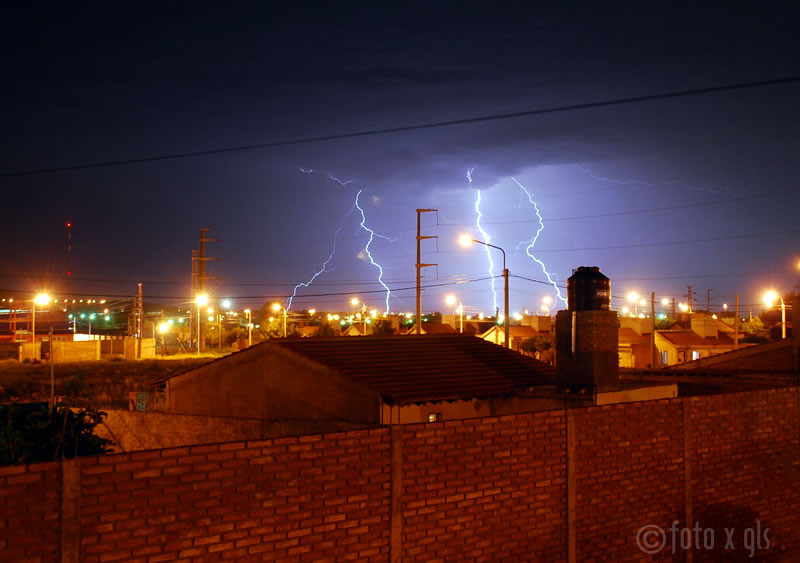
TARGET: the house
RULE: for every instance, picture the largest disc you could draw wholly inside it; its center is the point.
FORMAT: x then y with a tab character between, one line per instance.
634	342
376	380
517	334
703	339
353	330
432	328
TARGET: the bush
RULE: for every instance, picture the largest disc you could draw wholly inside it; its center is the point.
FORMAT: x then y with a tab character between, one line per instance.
31	433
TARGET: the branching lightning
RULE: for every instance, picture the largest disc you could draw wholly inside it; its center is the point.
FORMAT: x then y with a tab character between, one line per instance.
486	238
372	236
656	183
324	267
552	278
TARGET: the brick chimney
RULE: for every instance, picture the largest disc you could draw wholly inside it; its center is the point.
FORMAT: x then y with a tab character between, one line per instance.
587	337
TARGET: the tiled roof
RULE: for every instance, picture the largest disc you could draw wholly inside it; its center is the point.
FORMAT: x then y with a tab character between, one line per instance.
691	338
516	331
425	368
433	328
630	336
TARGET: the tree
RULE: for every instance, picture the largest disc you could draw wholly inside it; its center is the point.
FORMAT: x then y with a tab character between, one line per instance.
29	435
326	330
382	327
541	347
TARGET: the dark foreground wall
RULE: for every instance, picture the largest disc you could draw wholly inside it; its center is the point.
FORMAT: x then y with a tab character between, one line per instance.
608	483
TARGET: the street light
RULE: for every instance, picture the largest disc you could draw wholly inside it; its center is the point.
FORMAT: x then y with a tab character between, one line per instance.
769	299
467	240
249	328
452	300
200	300
41	299
277	307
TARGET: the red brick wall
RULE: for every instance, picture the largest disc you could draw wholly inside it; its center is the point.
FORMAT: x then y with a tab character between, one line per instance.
29	512
490	489
629	474
745	459
301	498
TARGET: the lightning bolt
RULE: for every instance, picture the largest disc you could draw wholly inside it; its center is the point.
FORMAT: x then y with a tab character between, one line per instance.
324	266
657	183
372	235
486	238
552	278
304	171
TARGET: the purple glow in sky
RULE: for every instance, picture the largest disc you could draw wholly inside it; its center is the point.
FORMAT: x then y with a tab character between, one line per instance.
697	190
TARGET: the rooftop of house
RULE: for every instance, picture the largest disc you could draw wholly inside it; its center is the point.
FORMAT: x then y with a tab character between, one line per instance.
433	328
516	331
688	337
420	369
630	336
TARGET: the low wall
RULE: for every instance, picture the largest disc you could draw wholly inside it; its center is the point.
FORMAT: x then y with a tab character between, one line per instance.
80	351
133	431
616	483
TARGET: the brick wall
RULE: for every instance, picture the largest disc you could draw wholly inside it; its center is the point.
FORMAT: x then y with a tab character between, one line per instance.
743	451
29	512
533	486
302	498
490	488
628	474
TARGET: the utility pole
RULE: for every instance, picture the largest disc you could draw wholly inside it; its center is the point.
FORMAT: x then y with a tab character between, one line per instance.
194	331
139	322
653	330
708	302
689	298
736	325
202	277
420	265
52	372
673	310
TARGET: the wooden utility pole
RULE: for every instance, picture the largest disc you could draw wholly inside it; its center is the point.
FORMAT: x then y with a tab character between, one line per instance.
736	325
689	298
708	302
139	322
420	265
201	279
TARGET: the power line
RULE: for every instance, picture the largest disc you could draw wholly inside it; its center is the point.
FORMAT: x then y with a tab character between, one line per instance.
415	127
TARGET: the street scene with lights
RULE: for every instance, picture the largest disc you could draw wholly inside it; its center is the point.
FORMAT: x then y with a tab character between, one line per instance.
415	281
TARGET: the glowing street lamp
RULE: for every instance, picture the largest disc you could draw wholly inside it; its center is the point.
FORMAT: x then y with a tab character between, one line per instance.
769	299
467	240
452	300
277	307
41	299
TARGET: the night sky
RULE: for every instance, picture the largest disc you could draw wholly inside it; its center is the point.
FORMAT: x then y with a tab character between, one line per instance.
699	190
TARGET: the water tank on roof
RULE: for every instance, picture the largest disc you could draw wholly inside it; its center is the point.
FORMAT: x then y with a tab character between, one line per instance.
588	290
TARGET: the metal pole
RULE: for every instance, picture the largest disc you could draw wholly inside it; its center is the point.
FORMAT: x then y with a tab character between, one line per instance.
249	330
420	265
284	322
219	332
418	322
33	325
507	319
52	372
783	319
461	327
653	330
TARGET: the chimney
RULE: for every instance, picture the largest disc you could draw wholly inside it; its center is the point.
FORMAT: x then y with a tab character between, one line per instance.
705	326
587	353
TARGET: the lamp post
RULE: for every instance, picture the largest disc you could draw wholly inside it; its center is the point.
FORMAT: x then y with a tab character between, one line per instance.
41	299
467	240
769	300
249	328
200	300
277	307
452	300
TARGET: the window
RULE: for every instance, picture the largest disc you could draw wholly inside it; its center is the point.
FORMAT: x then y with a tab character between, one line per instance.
434	417
664	358
695	355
